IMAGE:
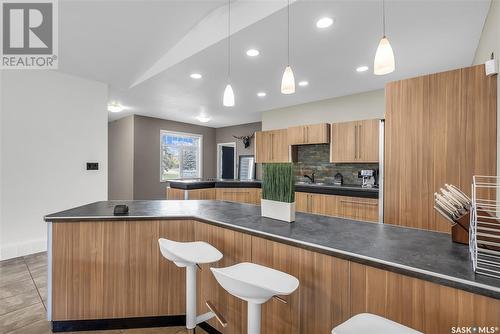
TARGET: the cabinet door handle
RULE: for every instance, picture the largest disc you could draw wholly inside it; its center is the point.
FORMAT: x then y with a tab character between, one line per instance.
355	142
359	141
357	202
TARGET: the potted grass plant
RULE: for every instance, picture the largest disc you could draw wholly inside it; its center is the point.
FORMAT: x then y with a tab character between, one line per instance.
278	192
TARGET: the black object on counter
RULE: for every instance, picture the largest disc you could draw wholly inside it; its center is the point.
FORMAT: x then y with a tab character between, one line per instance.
120	210
338	179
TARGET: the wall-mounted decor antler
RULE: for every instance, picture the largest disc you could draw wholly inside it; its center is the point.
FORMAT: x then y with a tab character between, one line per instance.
245	139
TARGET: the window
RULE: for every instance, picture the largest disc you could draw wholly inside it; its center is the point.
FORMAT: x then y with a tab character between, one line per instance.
180	155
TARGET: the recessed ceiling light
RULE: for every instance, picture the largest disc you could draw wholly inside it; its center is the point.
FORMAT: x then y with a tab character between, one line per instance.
253	52
303	83
115	107
362	69
261	94
195	76
203	119
324	22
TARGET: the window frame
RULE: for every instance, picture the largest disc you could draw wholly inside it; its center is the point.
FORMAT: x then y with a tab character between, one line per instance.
182	134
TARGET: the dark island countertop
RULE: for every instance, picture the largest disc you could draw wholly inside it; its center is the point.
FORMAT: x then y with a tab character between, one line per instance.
315	188
427	255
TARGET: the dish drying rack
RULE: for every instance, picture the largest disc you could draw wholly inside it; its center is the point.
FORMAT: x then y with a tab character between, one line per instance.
484	236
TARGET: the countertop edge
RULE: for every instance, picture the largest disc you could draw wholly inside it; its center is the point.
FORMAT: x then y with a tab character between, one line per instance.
473	287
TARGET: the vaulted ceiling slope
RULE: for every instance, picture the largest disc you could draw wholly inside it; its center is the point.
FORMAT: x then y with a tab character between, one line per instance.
146	50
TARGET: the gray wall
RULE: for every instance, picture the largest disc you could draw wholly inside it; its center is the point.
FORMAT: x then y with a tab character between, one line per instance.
365	105
121	159
147	183
225	135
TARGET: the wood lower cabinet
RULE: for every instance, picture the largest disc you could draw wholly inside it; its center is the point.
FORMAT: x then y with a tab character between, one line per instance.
356	141
240	195
357	208
272	146
200	194
236	247
103	270
309	134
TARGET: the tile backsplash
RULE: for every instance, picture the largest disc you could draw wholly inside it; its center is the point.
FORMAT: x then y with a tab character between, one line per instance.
316	158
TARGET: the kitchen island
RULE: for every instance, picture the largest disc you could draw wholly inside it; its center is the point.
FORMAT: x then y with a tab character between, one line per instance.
105	267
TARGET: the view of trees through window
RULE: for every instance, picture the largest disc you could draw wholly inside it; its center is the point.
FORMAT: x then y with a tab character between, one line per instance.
180	156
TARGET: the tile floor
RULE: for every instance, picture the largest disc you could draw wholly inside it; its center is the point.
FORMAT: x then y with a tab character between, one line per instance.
23	299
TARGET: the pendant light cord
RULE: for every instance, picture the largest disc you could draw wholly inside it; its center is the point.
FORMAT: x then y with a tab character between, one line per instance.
229	41
288	23
383	18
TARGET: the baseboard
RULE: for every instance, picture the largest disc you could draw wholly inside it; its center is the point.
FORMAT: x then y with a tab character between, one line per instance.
120	323
12	250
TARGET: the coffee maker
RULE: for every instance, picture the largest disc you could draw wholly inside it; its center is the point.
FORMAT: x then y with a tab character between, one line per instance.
369	177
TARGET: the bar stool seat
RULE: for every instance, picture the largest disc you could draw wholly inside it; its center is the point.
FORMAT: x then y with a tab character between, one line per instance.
255	284
189	253
367	323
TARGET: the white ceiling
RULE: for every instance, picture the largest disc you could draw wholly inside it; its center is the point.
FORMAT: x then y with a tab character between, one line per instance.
146	50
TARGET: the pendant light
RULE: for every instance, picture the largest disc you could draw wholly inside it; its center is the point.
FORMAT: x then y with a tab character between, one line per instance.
228	98
288	80
384	57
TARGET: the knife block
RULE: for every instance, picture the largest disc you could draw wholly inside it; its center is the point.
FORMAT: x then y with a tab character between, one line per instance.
460	231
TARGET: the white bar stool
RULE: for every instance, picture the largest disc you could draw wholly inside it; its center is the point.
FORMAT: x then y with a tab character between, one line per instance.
256	284
190	255
365	323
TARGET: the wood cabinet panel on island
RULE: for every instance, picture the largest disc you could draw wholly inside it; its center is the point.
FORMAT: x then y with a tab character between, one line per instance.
240	195
272	146
114	269
365	209
309	134
356	141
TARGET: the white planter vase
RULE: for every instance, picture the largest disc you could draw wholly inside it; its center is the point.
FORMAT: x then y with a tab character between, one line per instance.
278	210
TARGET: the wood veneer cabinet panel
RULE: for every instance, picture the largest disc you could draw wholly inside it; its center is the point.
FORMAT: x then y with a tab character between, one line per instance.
368	140
144	256
201	194
271	146
175	194
236	248
309	134
439	128
302	202
424	306
278	317
343	147
77	257
241	195
322	299
172	279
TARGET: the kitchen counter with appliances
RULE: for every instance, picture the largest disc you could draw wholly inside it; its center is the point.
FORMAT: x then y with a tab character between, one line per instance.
426	255
315	188
340	190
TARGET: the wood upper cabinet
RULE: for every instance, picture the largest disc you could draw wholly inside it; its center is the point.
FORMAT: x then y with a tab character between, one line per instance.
271	146
356	141
309	134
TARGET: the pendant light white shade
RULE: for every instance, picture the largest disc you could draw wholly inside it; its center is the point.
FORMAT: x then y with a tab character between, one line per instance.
288	81
228	99
384	58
